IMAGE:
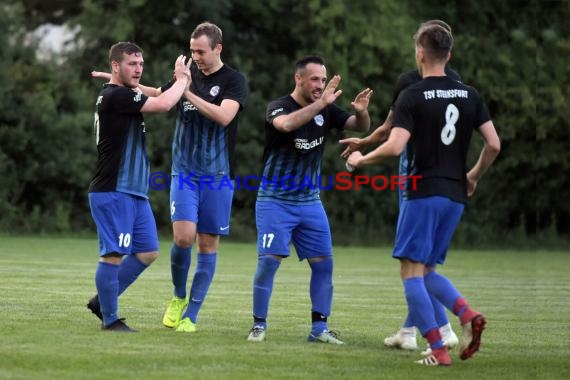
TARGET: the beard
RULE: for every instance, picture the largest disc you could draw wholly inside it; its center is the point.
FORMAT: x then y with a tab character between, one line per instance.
127	80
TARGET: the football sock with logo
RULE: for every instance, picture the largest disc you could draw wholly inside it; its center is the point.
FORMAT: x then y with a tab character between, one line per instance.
419	305
179	266
205	269
129	270
107	283
321	290
263	285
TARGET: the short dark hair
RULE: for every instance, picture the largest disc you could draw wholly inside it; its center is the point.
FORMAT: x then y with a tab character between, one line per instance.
303	62
435	40
212	31
441	23
117	50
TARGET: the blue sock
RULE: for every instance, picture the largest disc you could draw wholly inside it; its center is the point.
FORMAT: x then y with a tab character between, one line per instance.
321	290
442	289
409	322
205	270
180	259
420	307
107	283
263	287
129	270
439	311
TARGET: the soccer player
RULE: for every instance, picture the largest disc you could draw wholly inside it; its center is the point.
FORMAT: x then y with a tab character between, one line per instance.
434	121
128	241
288	207
203	147
405	337
202	185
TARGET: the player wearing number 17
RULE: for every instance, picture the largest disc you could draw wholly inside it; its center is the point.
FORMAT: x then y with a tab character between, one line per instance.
296	126
434	121
128	241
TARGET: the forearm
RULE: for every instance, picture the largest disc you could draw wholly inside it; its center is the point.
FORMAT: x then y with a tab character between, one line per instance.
378	155
167	99
211	111
486	158
297	119
391	148
489	152
378	135
361	122
149	91
381	133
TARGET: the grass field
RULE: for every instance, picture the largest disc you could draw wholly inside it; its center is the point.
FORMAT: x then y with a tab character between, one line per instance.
47	333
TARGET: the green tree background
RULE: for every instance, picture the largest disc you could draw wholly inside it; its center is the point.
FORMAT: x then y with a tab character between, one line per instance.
514	52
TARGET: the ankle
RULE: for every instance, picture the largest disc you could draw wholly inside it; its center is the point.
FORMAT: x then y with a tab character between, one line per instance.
467	316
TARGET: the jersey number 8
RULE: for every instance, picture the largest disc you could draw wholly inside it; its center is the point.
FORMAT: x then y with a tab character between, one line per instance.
448	131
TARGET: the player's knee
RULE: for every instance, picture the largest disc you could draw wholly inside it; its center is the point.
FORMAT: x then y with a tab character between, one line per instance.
323	265
147	258
208	243
184	240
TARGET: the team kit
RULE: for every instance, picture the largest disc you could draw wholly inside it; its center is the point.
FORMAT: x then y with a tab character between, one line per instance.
433	119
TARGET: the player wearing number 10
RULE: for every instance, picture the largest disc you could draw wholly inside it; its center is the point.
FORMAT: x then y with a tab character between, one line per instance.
434	121
128	241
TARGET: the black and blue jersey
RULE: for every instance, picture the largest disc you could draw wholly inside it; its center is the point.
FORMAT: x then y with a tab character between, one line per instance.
200	145
122	160
292	161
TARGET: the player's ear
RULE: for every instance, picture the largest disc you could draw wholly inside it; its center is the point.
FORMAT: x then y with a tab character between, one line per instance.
115	66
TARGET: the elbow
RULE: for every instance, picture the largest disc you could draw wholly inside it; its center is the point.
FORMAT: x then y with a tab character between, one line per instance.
495	147
167	104
165	107
283	127
225	122
394	148
397	151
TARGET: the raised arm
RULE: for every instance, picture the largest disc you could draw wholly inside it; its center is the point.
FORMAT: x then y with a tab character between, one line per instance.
148	91
294	120
360	121
166	100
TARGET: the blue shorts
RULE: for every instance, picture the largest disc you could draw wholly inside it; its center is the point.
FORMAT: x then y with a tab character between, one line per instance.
425	227
208	204
125	223
279	224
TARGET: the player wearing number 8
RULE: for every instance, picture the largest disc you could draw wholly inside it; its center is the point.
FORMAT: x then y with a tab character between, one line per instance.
405	337
433	122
